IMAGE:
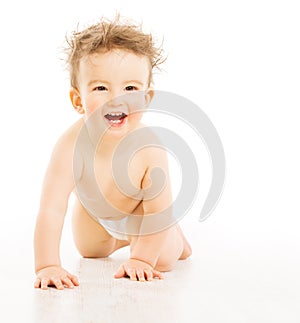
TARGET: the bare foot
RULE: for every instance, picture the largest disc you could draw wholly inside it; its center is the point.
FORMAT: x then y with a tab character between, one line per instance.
187	249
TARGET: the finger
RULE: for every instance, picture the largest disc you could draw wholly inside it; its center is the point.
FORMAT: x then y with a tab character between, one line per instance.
74	280
148	274
67	282
57	283
37	283
120	272
131	273
140	275
157	274
44	283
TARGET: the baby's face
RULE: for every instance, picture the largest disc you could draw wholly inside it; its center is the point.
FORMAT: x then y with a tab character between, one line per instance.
117	83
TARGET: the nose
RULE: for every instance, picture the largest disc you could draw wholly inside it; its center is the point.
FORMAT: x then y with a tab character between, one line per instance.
116	100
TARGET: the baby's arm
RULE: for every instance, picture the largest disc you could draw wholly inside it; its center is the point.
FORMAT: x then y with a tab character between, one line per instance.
147	248
57	186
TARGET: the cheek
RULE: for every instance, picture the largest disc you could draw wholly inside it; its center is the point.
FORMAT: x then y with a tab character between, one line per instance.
136	117
93	102
136	102
137	107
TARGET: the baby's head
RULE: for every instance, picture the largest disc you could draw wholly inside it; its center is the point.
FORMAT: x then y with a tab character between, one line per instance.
111	66
106	36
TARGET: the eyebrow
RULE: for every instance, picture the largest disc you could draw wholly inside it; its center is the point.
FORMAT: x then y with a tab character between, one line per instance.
135	81
97	81
105	82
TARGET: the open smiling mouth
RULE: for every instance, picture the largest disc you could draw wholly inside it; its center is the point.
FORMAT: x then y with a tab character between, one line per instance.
116	119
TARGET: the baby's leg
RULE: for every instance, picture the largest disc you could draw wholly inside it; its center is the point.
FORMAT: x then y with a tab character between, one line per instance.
187	249
174	248
91	238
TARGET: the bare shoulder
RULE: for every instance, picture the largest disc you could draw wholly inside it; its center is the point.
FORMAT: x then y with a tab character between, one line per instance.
150	154
66	142
61	160
153	153
155	183
58	181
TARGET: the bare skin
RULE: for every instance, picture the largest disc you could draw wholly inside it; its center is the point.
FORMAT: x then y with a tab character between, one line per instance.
102	79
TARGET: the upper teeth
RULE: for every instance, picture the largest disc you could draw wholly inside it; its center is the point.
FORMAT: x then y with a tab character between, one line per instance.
117	114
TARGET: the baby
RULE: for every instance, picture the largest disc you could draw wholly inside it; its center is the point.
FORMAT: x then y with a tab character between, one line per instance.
110	67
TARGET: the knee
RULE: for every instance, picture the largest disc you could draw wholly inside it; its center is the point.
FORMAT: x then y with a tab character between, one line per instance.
94	253
164	266
101	250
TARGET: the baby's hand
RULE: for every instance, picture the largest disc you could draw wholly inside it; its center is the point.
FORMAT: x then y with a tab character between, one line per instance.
137	270
55	275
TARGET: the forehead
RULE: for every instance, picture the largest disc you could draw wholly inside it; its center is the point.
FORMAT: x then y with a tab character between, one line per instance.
114	66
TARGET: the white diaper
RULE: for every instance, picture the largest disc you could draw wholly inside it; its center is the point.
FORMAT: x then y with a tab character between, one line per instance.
117	235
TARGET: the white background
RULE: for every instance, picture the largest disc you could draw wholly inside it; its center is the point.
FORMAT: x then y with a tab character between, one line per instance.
238	60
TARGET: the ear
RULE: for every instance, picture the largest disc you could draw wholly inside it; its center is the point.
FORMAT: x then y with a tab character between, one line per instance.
149	94
76	100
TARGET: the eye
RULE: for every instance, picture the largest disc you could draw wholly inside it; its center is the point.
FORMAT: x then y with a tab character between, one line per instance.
100	88
131	88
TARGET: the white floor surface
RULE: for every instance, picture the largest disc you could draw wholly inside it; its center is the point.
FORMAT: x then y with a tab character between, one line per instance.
230	277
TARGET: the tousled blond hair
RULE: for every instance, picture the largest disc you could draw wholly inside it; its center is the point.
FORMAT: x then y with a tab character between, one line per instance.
108	35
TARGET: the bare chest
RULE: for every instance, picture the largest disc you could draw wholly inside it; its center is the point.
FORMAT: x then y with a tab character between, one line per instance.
120	182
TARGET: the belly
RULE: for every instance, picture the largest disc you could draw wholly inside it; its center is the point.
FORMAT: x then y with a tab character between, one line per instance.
122	207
